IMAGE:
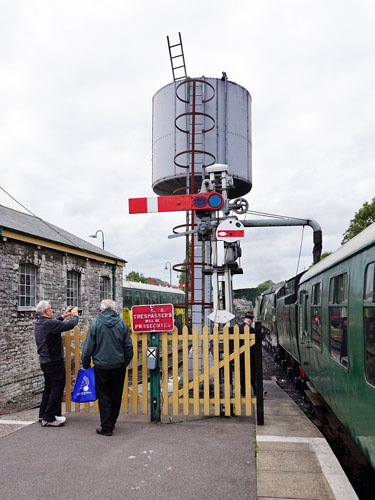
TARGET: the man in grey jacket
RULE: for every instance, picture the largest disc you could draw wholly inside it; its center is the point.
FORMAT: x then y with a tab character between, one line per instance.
51	356
109	345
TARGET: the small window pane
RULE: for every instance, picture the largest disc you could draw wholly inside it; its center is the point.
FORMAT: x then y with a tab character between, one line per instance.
342	287
316	325
128	299
332	290
105	288
316	294
369	283
369	320
138	298
338	324
26	285
73	288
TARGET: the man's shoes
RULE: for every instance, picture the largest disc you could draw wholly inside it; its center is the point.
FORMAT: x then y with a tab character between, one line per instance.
54	423
103	432
59	419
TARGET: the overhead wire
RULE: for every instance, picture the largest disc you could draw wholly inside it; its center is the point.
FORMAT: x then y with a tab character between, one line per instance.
47	224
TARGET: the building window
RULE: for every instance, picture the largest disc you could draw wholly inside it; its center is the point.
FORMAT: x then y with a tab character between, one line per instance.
27	285
316	312
338	320
369	323
105	288
73	288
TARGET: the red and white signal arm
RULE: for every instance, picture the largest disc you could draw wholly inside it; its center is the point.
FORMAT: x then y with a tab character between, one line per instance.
230	230
153	318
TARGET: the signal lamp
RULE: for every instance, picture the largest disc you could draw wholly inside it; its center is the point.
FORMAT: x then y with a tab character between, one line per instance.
207	201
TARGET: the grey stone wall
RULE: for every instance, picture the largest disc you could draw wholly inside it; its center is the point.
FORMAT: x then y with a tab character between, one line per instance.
20	375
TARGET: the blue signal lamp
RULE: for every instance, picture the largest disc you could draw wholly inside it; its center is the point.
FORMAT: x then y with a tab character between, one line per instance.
207	201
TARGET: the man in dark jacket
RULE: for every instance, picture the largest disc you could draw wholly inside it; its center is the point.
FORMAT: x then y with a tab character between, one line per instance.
109	345
248	320
51	356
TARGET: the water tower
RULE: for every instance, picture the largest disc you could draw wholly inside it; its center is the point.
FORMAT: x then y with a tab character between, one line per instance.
199	123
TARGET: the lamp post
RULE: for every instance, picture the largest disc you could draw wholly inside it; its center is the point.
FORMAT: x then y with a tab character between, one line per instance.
96	235
170	271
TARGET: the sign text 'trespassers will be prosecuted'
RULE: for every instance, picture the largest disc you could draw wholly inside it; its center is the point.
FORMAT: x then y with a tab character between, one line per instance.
153	318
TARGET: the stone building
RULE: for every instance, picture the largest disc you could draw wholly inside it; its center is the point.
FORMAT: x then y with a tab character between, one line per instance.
41	261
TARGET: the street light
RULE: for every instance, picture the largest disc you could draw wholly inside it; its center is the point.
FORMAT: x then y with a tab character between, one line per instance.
96	235
170	271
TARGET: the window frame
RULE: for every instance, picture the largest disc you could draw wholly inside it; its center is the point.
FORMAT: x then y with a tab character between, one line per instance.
333	302
105	292
368	315
27	297
316	308
73	276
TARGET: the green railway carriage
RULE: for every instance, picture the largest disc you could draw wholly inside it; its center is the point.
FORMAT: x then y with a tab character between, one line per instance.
336	335
266	313
134	293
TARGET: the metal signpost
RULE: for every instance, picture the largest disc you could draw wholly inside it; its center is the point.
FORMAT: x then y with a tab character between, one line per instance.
153	319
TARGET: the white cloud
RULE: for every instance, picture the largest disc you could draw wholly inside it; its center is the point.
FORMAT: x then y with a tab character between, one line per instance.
76	93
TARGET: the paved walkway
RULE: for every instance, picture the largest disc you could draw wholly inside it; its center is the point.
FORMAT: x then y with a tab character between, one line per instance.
294	461
206	458
189	459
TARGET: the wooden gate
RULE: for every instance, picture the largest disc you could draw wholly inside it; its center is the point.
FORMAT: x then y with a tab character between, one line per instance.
215	372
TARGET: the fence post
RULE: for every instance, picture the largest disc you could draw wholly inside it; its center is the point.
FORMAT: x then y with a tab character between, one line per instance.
259	373
155	382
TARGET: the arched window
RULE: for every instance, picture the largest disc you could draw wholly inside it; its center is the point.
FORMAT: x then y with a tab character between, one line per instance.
27	285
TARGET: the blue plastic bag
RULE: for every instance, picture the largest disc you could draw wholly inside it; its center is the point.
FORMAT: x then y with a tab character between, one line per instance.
84	388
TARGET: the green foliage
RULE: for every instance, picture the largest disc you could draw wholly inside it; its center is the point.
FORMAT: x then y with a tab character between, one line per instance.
252	294
134	276
324	255
362	219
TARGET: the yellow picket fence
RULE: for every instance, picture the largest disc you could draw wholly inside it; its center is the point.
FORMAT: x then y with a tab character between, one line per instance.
215	385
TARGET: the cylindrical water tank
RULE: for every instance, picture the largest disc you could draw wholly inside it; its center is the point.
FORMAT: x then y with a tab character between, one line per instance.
219	112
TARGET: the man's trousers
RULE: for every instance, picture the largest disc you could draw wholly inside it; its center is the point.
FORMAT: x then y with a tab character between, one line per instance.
109	385
54	383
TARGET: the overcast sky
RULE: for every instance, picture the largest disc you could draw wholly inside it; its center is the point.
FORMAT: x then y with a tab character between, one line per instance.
77	79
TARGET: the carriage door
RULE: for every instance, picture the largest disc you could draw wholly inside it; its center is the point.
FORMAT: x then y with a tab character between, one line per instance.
304	336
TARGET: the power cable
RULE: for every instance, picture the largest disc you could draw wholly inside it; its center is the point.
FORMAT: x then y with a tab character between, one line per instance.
48	225
300	249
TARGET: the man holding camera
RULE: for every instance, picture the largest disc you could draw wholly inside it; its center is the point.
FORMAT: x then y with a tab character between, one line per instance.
51	356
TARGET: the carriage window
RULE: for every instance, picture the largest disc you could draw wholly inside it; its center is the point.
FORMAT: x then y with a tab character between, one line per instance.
338	320
369	282
316	325
128	299
369	313
138	298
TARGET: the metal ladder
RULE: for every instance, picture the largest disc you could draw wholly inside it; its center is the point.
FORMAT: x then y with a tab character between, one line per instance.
176	54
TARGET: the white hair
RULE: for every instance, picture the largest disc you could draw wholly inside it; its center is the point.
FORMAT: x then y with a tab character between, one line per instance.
41	307
108	304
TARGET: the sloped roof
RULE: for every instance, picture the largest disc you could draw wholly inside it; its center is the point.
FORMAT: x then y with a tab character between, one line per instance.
29	225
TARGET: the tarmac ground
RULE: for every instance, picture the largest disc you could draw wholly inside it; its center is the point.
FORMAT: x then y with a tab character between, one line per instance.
198	458
195	458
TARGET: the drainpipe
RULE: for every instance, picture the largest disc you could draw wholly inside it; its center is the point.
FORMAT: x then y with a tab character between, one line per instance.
114	282
317	235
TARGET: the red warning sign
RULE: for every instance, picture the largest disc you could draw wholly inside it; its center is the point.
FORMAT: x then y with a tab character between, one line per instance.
153	318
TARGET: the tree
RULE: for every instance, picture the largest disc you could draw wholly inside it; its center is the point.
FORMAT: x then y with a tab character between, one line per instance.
362	219
134	276
251	294
324	255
